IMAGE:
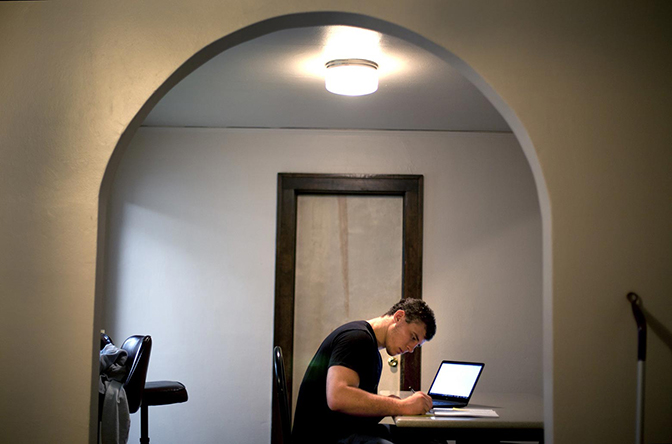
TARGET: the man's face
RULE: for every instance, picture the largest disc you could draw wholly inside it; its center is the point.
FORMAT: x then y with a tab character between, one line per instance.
404	337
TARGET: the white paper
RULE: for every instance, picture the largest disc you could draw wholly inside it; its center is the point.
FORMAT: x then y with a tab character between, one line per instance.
474	413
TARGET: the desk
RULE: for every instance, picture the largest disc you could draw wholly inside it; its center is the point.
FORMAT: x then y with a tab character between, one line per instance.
520	419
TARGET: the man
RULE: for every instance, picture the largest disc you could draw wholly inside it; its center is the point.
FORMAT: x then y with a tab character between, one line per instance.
338	400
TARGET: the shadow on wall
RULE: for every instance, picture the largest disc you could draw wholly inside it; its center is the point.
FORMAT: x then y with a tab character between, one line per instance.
658	328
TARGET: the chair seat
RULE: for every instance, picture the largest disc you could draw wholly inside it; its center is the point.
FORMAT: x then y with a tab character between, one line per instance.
164	392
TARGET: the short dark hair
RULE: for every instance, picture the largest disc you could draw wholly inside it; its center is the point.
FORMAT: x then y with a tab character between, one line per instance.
416	310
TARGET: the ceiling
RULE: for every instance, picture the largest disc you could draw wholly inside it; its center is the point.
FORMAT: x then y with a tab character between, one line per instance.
276	81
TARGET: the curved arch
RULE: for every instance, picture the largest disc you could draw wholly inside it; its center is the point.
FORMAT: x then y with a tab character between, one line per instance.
309	19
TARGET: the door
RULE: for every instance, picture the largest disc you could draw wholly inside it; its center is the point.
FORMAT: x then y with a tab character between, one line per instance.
348	267
292	186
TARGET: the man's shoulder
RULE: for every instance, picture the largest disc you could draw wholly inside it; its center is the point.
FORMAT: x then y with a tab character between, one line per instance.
354	325
356	331
354	346
353	329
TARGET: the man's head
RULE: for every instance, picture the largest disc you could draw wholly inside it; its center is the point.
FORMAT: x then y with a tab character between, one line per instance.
412	324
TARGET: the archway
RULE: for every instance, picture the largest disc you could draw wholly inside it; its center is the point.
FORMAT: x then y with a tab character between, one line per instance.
315	19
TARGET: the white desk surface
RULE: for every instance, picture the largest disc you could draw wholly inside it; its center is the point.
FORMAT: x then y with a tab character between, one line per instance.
515	410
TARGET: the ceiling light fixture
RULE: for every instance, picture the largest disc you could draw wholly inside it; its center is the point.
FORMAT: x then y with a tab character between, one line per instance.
351	77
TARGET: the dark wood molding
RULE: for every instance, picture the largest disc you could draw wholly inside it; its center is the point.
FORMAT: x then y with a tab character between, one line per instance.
290	186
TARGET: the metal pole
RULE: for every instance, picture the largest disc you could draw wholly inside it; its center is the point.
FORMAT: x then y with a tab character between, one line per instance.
639	425
641	358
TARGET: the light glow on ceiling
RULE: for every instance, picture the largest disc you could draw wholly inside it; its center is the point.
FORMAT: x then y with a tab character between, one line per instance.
351	77
347	42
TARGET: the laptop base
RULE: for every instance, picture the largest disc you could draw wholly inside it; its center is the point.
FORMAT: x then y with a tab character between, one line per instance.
447	404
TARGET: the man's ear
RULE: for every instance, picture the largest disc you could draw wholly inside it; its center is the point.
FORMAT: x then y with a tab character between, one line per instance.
399	315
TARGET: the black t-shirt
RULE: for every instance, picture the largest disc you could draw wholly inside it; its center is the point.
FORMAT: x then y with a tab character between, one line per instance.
354	346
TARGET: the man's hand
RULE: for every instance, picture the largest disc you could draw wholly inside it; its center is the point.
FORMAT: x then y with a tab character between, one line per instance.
418	403
345	396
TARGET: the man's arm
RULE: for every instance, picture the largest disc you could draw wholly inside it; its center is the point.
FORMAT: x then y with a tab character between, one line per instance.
345	396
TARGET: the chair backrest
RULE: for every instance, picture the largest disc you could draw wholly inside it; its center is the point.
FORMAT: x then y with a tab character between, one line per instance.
139	348
283	400
104	340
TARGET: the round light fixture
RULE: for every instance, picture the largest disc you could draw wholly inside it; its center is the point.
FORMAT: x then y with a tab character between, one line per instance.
351	77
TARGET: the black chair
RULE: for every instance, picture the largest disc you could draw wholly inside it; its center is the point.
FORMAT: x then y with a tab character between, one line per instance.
140	393
104	340
159	393
281	393
138	348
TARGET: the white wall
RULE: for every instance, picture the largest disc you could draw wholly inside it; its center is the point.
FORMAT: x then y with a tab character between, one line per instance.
192	249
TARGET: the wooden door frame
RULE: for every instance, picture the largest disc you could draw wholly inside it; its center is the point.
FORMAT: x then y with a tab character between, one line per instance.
292	185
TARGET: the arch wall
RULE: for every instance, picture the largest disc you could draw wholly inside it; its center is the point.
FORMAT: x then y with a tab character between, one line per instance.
591	93
320	19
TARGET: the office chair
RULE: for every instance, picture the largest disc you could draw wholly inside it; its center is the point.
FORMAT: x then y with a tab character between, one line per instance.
140	393
159	393
281	394
138	348
104	340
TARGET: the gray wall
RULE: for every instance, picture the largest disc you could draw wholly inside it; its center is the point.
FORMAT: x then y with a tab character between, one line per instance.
192	249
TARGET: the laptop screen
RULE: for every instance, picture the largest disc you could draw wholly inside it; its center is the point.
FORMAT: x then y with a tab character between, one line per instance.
455	379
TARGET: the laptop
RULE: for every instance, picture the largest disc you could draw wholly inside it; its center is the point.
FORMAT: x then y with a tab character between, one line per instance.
454	383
